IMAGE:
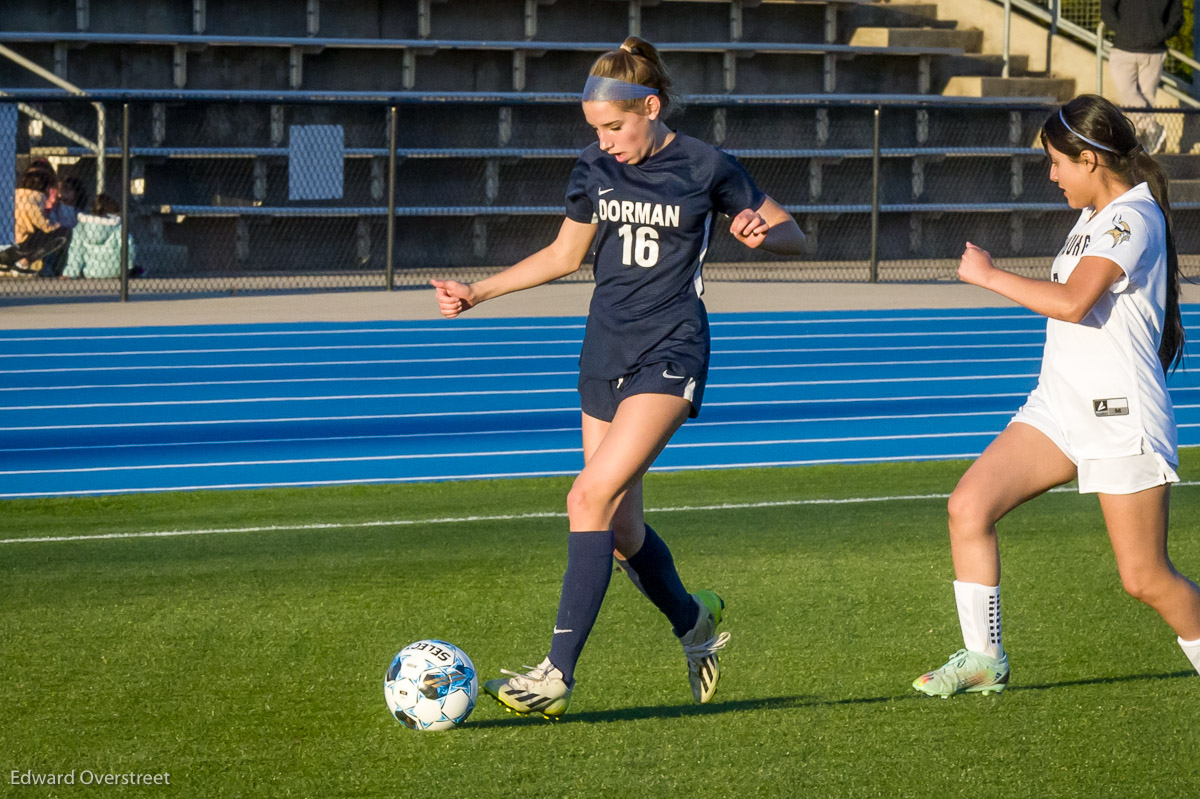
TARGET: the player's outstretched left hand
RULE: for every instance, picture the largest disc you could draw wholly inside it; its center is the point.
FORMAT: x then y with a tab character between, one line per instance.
975	265
452	297
749	228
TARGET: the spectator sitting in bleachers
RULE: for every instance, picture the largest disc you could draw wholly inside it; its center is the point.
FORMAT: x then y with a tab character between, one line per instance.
72	199
96	243
36	236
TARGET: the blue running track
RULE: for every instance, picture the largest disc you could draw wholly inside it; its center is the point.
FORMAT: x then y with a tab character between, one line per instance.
246	406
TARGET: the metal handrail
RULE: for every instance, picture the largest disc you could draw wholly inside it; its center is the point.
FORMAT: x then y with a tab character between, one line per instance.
442	98
98	145
1095	37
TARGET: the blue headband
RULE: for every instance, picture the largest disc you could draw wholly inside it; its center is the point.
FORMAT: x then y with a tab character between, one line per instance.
611	90
1079	135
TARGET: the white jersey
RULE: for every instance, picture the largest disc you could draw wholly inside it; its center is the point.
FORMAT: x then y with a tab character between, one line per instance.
1101	376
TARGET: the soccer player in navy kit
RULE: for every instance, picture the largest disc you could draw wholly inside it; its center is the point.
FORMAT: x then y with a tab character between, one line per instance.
1100	412
647	197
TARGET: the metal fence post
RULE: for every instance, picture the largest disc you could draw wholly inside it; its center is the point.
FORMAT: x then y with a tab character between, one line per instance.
874	268
391	209
125	202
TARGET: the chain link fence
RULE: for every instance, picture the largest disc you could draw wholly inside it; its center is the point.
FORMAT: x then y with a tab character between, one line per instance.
222	196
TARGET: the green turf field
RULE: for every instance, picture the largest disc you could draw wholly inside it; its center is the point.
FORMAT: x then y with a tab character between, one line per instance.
250	663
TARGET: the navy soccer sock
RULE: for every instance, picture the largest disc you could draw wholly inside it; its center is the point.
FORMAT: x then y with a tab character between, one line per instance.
652	570
589	568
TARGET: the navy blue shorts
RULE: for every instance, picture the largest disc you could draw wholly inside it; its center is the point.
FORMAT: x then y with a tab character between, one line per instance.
599	398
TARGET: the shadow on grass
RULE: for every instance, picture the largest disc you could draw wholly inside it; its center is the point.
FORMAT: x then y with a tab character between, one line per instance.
780	703
1170	675
657	711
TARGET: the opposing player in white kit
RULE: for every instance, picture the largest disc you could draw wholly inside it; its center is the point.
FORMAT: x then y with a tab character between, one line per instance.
646	197
1100	411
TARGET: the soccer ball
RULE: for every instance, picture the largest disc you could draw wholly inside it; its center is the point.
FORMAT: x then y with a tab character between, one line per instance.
431	685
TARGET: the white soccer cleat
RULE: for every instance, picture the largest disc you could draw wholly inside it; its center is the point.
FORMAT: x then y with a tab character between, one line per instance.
966	673
701	645
539	690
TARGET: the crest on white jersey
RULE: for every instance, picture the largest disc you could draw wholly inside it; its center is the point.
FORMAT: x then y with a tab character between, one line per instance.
1119	230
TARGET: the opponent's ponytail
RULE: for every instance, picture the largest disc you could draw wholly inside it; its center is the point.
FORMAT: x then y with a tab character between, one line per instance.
637	61
1089	122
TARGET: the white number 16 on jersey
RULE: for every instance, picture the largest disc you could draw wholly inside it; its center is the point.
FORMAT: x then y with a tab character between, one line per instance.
640	245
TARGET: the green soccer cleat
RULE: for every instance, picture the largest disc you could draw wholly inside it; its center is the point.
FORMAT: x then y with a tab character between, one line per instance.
966	673
701	645
539	690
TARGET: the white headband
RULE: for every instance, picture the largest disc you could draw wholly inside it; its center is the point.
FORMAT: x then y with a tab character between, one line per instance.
1079	135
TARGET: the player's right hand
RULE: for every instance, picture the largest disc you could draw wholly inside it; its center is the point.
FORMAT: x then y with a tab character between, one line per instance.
975	266
452	297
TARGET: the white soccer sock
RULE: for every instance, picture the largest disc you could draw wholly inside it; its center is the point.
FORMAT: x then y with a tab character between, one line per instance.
1192	650
979	617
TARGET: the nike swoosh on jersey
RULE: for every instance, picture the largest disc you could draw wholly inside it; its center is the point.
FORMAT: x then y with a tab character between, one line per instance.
603	192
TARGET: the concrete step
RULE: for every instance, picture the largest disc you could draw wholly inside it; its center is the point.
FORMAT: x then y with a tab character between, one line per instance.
1179	167
1184	191
1062	89
896	15
159	258
978	65
969	40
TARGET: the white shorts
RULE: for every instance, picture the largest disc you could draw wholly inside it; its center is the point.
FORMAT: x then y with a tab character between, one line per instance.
1125	475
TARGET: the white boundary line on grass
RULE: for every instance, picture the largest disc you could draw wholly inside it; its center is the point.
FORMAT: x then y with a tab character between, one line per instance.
783	503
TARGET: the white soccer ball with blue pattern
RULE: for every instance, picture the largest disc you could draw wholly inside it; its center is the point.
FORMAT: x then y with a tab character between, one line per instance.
431	685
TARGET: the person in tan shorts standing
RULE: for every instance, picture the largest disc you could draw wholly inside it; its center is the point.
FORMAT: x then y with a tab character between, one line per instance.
1142	28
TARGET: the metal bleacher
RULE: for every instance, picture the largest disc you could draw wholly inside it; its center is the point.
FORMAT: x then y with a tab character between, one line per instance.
489	124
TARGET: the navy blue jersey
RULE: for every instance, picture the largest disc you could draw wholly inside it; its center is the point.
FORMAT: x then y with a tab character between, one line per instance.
654	220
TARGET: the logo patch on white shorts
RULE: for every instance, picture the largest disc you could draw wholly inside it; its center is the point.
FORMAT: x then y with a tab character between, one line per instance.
1115	406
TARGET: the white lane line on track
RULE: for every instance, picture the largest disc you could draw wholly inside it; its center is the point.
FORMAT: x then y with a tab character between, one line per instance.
504	517
295	380
499	375
438	414
503	453
512	343
297	440
312	348
438	326
496	392
574	409
527	431
572	357
284	419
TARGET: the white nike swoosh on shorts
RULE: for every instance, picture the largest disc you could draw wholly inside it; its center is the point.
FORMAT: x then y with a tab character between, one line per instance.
667	374
559	632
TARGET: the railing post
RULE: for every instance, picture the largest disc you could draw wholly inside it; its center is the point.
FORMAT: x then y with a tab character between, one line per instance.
874	267
125	202
101	145
391	193
1100	58
1008	37
1052	31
